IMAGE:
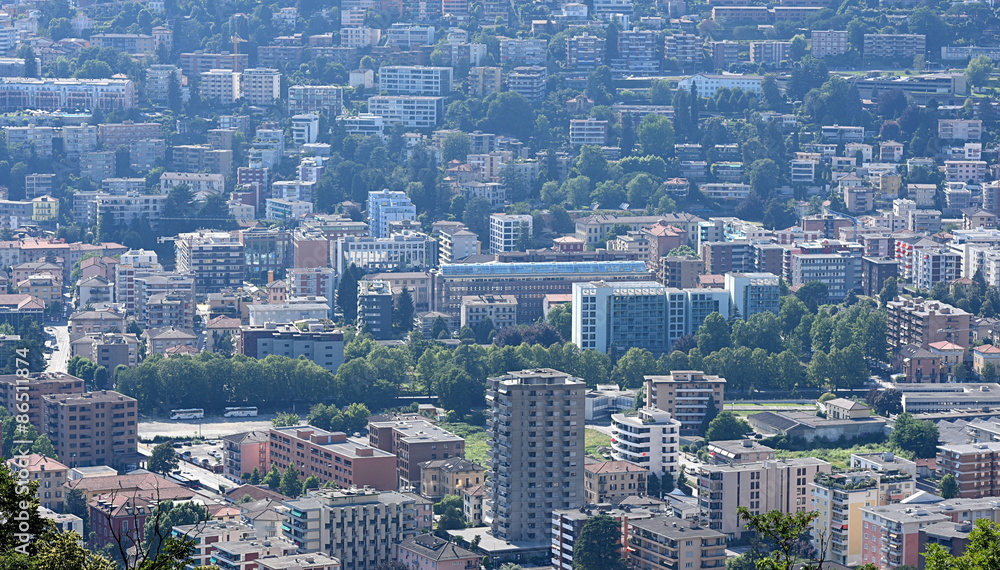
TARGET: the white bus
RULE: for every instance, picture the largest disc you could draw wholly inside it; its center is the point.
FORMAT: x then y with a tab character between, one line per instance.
241	412
187	414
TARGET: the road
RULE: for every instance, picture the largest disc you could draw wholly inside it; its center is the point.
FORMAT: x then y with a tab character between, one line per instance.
59	358
209	480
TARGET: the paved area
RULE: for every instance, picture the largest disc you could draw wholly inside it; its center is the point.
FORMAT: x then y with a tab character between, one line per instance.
207	427
59	358
209	480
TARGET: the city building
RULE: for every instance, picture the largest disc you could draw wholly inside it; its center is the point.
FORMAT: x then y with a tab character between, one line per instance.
440	477
537	467
429	552
330	456
260	86
313	342
649	438
894	46
974	466
92	428
243	452
501	310
760	487
413	440
686	395
415	80
386	206
375	308
50	475
221	85
687	543
924	321
358	527
753	292
50	94
412	111
508	232
611	482
217	259
826	43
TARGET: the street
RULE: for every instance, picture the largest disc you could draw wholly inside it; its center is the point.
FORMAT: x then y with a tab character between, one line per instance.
59	358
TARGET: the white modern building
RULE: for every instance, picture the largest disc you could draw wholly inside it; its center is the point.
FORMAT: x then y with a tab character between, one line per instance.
415	80
260	85
649	437
412	111
386	206
508	230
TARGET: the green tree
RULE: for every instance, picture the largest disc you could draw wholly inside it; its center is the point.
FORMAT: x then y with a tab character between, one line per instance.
783	532
43	446
977	73
948	486
347	294
981	553
290	485
163	459
561	317
456	146
273	478
889	291
286	419
919	437
311	482
440	329
656	135
726	426
765	175
160	523
403	312
449	511
599	545
813	294
27	53
713	335
76	504
65	551
13	499
797	49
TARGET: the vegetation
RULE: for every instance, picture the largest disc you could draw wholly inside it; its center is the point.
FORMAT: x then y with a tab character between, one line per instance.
599	545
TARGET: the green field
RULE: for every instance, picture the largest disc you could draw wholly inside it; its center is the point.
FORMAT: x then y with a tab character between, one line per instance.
476	449
594	439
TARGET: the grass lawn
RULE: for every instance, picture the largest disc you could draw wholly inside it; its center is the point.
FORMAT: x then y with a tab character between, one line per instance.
476	449
594	439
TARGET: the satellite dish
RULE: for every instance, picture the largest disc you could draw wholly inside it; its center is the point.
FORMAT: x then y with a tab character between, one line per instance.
623	206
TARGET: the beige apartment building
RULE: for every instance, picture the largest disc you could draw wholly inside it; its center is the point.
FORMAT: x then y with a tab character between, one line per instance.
782	485
685	394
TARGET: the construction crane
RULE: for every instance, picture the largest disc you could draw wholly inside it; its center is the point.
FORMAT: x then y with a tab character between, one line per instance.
237	40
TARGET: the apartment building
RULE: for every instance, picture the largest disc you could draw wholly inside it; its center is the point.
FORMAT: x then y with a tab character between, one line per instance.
92	428
386	206
216	259
584	51
934	266
440	477
769	51
359	527
508	231
375	307
761	487
611	482
588	131
614	317
839	270
260	85
220	85
330	456
685	395
199	62
648	438
960	129
411	110
894	46
668	543
536	451
526	51
924	321
826	43
324	99
48	473
891	533
687	49
525	280
723	257
528	81
38	385
50	94
839	498
965	171
122	210
974	465
485	80
413	440
415	80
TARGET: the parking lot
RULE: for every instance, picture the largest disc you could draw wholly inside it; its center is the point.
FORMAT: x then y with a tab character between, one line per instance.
208	427
207	455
